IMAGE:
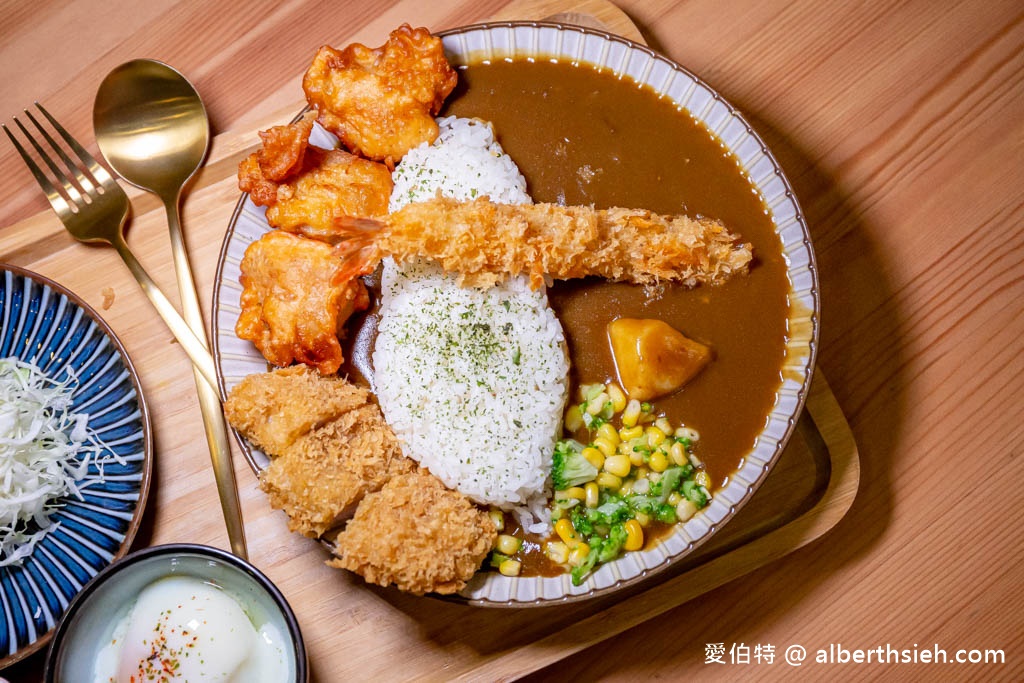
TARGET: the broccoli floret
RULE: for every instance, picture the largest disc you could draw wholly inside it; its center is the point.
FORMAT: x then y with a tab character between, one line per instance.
695	493
668	483
581	522
666	513
612	547
601	550
612	511
595	543
568	466
644	504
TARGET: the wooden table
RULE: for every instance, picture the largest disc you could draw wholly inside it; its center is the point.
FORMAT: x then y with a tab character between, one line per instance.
901	127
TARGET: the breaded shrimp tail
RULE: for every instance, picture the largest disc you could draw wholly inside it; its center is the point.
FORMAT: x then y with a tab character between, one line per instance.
486	242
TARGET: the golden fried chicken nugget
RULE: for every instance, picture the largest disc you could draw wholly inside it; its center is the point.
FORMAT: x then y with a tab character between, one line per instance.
329	443
381	102
307	189
296	296
334	185
416	534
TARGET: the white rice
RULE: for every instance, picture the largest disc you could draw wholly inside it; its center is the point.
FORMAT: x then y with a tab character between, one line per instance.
464	162
473	381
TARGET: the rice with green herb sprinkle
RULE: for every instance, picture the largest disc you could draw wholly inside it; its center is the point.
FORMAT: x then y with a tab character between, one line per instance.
473	382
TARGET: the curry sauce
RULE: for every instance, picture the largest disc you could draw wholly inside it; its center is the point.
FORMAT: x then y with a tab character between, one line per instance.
583	136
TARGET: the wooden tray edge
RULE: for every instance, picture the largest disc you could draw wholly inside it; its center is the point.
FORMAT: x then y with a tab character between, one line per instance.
835	502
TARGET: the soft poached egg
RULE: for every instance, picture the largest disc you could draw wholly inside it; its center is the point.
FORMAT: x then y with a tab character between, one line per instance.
185	629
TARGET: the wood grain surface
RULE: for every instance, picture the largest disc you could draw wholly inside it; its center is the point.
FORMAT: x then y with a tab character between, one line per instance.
901	128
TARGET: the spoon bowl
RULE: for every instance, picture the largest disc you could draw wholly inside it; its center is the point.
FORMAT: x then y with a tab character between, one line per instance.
151	126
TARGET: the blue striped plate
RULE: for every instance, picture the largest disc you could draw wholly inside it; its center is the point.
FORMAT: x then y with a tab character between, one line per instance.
45	324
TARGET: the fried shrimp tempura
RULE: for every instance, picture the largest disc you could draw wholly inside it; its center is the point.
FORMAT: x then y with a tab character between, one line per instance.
486	243
297	294
416	534
381	102
329	442
306	189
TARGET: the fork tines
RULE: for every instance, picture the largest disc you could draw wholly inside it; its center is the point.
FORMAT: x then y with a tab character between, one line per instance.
71	187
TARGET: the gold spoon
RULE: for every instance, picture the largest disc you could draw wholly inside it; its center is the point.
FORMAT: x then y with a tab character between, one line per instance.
152	128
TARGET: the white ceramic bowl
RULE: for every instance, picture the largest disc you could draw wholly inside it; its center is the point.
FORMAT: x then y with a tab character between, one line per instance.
539	40
89	621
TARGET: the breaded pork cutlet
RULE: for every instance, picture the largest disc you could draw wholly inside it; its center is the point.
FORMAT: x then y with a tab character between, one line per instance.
416	534
330	444
274	409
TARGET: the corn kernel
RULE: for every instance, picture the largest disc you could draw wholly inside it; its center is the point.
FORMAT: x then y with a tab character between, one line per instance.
624	448
605	446
674	498
634	535
566	531
498	517
510	567
578	554
618	398
609	482
658	461
593	494
630	433
618	465
557	552
678	454
636	458
573	418
685	432
703	479
594	456
664	425
627	487
685	510
575	492
609	433
631	414
508	545
654	436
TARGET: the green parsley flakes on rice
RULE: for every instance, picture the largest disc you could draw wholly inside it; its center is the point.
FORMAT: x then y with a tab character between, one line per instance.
472	381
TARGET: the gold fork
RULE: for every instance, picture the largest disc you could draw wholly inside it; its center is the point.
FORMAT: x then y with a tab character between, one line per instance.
94	208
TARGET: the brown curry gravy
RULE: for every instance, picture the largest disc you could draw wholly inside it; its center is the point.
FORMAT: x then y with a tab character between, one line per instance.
583	136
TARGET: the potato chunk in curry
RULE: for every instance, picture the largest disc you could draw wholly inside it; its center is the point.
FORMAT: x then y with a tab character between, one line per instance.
653	358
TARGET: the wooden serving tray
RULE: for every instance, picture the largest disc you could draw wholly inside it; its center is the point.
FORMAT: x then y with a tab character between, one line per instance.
354	631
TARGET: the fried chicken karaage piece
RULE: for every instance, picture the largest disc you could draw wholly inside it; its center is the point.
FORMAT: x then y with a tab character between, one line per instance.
416	534
381	102
329	442
486	243
307	189
297	294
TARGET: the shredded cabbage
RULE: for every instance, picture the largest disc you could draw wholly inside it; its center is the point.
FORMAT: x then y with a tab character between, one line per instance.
44	450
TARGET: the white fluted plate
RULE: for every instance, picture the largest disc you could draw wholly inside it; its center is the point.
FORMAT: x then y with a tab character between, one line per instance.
540	40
